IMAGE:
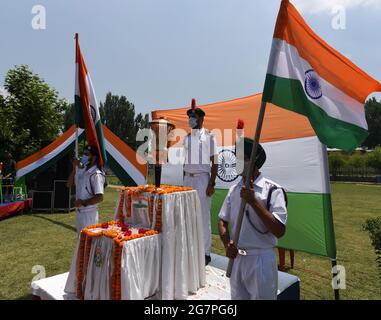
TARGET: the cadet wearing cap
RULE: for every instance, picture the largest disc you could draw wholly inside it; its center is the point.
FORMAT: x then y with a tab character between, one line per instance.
200	168
254	274
90	180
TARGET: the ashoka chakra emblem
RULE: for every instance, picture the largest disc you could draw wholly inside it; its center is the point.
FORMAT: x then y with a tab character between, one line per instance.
227	165
93	113
312	84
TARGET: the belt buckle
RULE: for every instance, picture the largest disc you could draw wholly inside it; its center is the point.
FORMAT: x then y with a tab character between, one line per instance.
242	252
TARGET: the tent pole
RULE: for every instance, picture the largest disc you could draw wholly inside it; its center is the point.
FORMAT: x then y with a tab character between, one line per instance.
334	275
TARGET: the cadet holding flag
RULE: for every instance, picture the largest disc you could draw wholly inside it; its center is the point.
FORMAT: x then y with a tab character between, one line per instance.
254	274
90	178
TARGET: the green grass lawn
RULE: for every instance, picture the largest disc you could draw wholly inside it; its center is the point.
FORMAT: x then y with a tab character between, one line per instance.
48	240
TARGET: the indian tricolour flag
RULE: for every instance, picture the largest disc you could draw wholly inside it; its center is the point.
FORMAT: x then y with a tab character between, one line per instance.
307	76
86	106
125	163
296	159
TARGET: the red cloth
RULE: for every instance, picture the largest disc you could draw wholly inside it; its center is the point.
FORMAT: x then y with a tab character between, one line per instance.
8	209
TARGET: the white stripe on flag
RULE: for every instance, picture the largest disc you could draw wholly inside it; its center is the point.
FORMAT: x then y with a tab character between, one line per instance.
285	62
134	173
34	165
296	164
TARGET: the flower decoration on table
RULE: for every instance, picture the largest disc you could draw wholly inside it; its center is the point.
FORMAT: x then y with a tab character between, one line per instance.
120	233
146	201
149	194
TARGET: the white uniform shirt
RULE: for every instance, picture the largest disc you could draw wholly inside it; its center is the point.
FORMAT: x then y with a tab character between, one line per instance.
199	146
250	238
89	183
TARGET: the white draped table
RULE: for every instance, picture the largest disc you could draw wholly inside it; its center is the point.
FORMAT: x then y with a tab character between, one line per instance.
169	265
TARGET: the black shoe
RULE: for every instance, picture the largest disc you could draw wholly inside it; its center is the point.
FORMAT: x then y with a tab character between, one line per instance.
207	260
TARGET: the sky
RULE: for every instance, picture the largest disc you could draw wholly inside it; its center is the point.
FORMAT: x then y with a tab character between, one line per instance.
162	53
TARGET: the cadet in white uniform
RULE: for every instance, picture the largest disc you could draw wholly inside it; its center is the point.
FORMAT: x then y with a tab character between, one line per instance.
200	168
89	189
254	274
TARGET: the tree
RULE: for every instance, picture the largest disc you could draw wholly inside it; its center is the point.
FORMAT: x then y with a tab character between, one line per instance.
69	117
119	116
373	117
32	110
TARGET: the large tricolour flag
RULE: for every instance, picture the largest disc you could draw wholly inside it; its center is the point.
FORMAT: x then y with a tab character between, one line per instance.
86	106
307	76
296	159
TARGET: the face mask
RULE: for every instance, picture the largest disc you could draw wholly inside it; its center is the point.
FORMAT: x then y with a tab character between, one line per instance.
85	160
192	122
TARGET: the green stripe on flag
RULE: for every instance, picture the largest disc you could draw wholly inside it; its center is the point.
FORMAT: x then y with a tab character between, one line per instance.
101	140
309	225
289	94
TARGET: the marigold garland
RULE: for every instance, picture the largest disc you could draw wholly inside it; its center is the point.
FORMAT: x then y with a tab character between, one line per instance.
117	231
121	205
129	203
116	293
87	257
158	214
150	206
80	258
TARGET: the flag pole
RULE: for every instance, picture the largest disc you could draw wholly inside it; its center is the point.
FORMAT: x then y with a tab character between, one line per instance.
76	141
335	271
247	181
249	174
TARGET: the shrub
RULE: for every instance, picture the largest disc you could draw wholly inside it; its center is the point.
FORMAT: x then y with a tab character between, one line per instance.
373	226
374	158
336	162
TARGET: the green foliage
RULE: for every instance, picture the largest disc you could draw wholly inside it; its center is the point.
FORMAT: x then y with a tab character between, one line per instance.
373	226
32	112
373	118
358	161
69	116
336	162
365	162
119	116
374	158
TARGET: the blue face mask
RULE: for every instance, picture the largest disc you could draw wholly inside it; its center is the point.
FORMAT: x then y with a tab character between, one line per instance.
85	160
192	121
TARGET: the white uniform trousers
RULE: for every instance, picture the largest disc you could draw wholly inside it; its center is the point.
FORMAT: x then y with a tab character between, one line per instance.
200	183
255	276
85	217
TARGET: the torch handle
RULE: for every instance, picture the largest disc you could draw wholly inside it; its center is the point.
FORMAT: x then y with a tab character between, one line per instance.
157	175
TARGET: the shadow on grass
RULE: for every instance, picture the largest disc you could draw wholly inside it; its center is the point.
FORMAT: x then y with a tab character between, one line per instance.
64	225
